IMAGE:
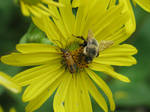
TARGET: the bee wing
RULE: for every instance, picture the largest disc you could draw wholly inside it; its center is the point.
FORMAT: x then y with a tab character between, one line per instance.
90	34
104	44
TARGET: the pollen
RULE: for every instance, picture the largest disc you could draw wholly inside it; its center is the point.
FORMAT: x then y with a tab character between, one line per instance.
79	58
73	57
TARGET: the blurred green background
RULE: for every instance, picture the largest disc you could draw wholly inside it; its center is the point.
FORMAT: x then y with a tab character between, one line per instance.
132	97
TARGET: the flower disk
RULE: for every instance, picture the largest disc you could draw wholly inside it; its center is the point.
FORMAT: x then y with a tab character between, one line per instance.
50	74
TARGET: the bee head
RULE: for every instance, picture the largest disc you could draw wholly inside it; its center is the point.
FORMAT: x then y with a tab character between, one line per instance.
90	51
93	41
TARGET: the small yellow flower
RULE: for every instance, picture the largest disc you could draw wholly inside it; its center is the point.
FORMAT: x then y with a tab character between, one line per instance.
37	7
7	82
63	68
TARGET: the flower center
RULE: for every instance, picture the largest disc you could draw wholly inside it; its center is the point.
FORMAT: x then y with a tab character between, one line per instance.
80	58
73	57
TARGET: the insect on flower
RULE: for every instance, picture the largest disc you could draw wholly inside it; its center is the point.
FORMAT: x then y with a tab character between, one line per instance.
67	58
92	47
69	61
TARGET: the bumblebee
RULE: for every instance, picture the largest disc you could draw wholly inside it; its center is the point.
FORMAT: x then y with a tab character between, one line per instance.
72	67
92	47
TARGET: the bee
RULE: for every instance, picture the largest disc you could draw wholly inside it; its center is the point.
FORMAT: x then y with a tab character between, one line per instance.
92	47
71	65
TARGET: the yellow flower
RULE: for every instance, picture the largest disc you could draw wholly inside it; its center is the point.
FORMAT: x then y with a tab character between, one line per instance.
63	67
37	7
7	82
10	110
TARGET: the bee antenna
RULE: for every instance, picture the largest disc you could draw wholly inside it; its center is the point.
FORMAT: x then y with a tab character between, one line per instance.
81	37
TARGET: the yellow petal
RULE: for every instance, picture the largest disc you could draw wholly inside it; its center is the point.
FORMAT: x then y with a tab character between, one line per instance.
119	36
145	4
84	95
116	60
60	95
119	50
34	11
118	55
81	17
33	90
105	20
77	98
47	25
41	23
7	82
28	76
75	3
35	47
52	3
24	9
45	10
86	17
104	87
95	93
112	3
71	99
37	102
60	24
41	10
67	15
103	28
30	59
112	27
109	71
131	24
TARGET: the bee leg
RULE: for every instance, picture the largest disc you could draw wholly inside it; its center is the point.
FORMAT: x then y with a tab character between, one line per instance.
62	62
84	44
81	37
88	59
71	69
85	41
97	54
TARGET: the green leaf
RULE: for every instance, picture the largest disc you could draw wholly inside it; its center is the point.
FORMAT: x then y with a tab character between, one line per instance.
34	35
